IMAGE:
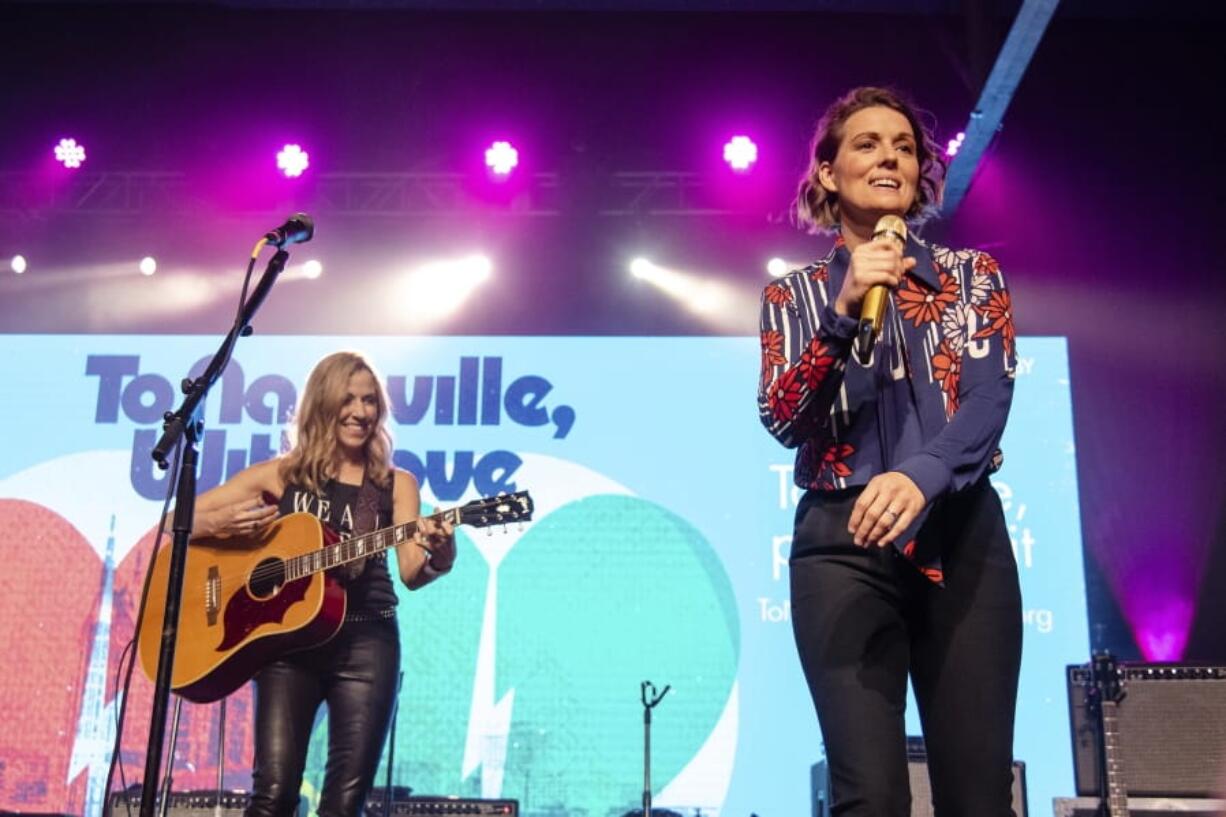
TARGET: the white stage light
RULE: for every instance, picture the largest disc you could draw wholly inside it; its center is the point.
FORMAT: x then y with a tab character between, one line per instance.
777	267
642	268
501	158
148	265
312	269
740	153
293	161
18	264
70	154
438	289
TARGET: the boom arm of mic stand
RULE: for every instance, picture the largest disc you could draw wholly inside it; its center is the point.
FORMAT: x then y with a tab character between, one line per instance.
188	421
177	422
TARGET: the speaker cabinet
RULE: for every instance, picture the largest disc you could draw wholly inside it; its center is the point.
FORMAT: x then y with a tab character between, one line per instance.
1142	807
921	787
1172	730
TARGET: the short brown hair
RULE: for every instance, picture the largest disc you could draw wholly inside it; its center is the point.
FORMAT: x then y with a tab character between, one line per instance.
816	208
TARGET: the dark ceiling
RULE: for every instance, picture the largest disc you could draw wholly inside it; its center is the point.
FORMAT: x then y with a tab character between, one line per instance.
1103	9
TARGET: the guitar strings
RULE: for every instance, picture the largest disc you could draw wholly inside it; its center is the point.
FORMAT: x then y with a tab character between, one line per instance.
263	572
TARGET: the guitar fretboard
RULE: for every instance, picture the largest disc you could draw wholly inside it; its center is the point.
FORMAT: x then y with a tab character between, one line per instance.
1117	790
358	547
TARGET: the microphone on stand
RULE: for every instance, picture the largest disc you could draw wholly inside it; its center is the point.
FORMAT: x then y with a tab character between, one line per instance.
872	310
297	229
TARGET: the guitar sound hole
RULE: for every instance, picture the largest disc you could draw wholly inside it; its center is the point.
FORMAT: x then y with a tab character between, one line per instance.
267	578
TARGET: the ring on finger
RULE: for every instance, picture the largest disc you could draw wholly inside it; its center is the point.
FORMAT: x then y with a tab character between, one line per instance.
892	514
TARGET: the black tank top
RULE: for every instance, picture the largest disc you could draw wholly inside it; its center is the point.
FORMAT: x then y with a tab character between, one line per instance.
372	592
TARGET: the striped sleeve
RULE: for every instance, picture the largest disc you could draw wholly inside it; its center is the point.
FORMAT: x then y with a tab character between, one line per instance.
804	354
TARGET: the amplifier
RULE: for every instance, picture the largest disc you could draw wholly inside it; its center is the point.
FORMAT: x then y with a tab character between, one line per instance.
203	803
422	806
921	787
1141	807
1172	730
196	803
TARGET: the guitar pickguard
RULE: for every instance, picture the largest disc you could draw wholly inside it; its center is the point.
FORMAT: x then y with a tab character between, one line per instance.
245	613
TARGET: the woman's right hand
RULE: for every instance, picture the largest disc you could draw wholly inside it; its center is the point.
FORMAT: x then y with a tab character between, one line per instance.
248	518
873	263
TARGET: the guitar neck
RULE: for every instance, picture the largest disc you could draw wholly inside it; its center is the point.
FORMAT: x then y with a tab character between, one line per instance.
359	547
1113	766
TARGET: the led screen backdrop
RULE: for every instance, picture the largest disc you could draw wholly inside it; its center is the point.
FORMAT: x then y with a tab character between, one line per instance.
658	552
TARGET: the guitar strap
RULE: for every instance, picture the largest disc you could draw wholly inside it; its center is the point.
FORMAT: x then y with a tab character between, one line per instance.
365	520
366	516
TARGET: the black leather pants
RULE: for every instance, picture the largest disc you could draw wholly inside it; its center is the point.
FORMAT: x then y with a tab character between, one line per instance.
356	674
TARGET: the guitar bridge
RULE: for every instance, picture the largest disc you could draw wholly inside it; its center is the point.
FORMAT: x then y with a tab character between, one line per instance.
212	595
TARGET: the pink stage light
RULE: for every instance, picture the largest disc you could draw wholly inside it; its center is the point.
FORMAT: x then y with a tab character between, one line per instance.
292	160
951	148
69	153
740	153
501	158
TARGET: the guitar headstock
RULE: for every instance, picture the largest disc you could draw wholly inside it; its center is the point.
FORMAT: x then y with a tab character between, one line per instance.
496	510
1107	677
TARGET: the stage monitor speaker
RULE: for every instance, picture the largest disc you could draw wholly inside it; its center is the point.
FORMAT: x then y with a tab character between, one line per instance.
1172	730
921	787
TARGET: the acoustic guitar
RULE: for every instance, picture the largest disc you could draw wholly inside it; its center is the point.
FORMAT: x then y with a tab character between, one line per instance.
247	601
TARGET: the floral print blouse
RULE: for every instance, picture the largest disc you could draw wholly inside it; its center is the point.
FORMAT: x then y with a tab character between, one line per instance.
930	403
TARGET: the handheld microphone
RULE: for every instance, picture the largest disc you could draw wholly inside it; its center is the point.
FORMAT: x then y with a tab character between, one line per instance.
297	229
872	310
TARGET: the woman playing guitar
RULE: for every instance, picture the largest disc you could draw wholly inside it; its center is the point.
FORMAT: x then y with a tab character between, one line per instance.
339	469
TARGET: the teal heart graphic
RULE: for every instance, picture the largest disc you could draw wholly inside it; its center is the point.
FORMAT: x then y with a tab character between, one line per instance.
596	597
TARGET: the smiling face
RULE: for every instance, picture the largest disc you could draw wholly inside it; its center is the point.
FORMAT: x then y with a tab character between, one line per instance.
876	170
359	412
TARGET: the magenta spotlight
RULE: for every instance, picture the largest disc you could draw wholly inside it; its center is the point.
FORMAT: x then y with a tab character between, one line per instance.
951	148
292	160
501	158
69	153
740	153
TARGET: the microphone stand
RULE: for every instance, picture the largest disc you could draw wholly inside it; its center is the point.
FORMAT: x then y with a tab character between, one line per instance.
391	750
186	425
649	703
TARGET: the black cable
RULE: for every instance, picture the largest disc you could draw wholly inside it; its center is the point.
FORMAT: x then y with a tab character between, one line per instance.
131	648
242	296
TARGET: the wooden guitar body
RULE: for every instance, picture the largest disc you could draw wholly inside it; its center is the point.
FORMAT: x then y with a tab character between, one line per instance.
238	611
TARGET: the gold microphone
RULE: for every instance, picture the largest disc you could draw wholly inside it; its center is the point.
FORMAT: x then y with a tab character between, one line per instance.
872	310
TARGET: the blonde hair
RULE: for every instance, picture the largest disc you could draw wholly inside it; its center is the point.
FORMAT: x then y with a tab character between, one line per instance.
816	208
312	457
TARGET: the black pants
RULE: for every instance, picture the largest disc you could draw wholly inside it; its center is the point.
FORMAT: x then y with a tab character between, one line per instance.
865	619
356	673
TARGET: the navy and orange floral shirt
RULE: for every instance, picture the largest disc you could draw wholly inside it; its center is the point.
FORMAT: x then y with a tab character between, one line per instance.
931	402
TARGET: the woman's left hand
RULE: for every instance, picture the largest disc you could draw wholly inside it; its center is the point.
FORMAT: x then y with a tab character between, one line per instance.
887	505
438	538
